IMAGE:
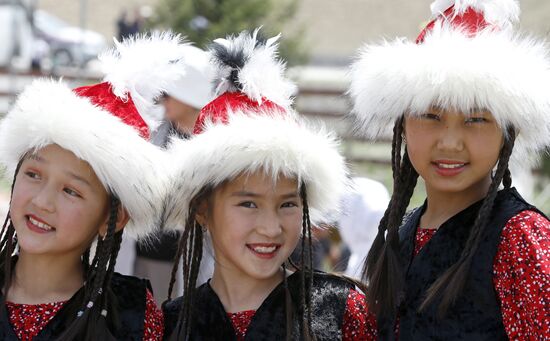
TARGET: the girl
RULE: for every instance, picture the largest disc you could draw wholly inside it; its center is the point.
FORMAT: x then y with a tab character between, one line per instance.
83	169
249	181
469	99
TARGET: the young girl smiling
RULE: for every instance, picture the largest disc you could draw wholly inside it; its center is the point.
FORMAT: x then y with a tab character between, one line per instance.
249	180
465	101
83	171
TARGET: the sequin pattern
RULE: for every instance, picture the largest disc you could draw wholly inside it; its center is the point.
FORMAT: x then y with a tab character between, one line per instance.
154	321
521	277
240	322
29	319
358	323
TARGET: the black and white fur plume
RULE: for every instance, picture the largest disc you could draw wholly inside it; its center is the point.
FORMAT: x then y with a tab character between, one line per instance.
248	63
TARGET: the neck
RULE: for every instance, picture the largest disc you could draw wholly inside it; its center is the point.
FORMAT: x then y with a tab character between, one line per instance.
44	279
444	205
239	293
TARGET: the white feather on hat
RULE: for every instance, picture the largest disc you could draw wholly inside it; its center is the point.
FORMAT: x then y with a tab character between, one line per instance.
494	69
100	125
250	127
260	72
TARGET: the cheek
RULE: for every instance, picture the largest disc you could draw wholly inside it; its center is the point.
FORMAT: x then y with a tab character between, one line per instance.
81	219
293	227
20	195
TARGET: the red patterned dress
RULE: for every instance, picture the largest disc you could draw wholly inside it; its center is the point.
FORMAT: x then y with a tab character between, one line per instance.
521	278
29	319
358	324
521	275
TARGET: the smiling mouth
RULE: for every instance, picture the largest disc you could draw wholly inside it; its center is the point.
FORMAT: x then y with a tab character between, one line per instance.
39	224
264	250
450	165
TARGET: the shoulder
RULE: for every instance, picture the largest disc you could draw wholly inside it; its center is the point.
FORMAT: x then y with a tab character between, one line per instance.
529	227
131	291
124	282
172	308
524	244
324	280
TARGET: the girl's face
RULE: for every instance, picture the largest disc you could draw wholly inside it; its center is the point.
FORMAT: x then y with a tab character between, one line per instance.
58	203
452	152
255	225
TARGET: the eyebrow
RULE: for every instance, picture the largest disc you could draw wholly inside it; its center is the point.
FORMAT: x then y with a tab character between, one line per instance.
256	195
78	178
73	175
37	157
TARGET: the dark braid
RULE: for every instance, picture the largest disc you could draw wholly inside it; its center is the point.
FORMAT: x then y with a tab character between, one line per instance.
307	266
90	323
382	268
117	241
289	307
451	283
8	243
507	178
177	257
190	249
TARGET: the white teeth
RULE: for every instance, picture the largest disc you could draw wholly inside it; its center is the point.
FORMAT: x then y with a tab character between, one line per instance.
450	166
40	224
264	249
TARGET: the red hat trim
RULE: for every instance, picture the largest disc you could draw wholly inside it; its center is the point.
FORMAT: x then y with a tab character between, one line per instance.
102	95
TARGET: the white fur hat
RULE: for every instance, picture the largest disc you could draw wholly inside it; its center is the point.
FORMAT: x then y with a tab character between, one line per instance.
195	87
468	57
251	127
104	124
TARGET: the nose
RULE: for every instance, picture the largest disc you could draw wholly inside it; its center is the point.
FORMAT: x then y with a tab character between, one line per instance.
44	199
269	224
451	139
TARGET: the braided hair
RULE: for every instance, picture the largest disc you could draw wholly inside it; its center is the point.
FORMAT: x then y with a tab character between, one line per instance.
190	249
91	312
382	270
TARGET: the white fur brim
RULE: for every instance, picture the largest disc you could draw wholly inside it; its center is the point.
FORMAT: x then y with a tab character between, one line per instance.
48	112
502	72
273	145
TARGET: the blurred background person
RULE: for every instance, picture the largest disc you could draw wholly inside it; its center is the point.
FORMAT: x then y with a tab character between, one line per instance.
362	210
182	102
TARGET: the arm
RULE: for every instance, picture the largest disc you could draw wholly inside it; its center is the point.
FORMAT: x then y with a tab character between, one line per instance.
153	325
521	276
358	323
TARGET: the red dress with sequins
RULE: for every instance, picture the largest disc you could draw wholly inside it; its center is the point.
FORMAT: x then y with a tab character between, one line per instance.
358	324
521	276
28	320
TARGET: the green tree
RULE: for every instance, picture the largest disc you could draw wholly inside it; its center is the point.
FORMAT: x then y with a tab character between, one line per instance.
204	20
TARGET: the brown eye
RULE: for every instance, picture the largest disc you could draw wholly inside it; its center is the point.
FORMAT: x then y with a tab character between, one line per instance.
32	175
71	192
476	120
430	116
289	204
248	204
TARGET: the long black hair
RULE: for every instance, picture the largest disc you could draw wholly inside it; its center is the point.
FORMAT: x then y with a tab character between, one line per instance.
190	249
91	313
382	270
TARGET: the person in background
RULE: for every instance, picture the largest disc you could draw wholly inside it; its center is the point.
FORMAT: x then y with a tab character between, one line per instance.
182	101
362	210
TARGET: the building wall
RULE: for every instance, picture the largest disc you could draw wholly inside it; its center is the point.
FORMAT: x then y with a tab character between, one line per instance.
333	29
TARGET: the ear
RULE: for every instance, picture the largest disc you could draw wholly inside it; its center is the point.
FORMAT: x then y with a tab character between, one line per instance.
202	213
122	218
